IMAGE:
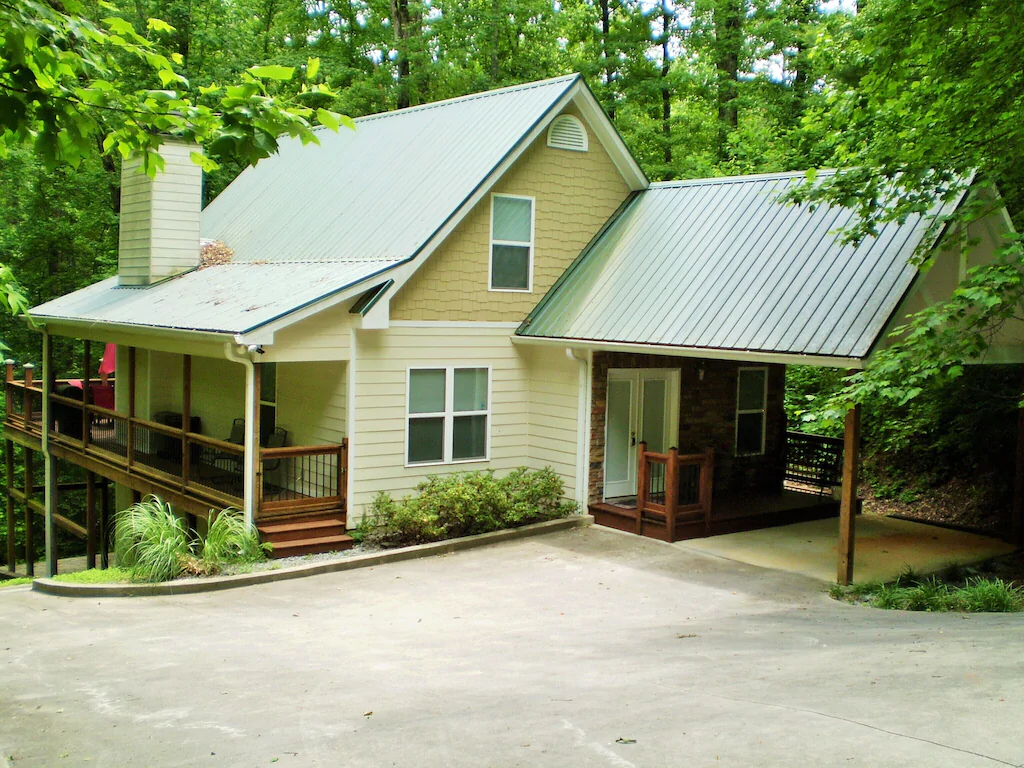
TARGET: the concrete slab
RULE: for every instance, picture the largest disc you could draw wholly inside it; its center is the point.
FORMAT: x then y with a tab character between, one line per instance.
583	648
884	547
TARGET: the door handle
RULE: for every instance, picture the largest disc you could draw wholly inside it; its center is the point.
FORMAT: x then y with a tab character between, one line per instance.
632	438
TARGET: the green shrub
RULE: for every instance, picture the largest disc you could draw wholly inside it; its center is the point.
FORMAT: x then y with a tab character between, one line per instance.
912	593
464	504
229	541
153	544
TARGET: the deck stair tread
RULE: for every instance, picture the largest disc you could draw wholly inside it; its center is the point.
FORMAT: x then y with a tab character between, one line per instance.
306	535
312	546
269	529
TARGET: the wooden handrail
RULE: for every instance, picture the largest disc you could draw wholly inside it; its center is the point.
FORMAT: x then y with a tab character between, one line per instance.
213	442
162	429
299	450
673	461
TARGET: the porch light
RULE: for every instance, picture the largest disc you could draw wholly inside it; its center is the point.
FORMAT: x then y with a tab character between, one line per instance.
700	371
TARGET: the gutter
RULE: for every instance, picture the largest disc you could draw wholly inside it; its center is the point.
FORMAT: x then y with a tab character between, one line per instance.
785	358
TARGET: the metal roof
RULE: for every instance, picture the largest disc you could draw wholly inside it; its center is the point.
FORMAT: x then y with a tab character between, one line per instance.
313	220
228	298
381	191
721	264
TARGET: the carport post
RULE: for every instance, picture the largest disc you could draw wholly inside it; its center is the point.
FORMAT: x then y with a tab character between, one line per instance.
848	506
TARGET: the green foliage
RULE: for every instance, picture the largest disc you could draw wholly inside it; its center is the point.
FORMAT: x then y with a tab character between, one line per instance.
151	541
464	504
15	582
229	540
95	576
952	590
154	544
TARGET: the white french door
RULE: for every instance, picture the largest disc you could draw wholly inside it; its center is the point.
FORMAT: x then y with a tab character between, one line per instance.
642	406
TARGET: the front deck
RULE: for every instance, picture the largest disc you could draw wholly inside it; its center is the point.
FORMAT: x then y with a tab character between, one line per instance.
195	473
729	514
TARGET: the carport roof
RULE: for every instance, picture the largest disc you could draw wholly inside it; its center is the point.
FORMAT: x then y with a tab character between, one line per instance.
721	264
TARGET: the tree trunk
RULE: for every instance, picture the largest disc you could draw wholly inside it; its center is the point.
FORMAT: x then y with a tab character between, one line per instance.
666	96
606	59
402	23
728	17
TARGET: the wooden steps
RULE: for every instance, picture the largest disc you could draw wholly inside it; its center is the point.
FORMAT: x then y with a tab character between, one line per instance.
306	535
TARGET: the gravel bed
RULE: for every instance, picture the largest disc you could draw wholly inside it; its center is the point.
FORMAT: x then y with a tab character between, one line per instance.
291	562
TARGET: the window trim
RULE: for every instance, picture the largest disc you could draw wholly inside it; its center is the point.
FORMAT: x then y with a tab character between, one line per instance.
763	410
493	242
448	415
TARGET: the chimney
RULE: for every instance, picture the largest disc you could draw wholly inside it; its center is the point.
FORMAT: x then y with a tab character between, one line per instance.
159	235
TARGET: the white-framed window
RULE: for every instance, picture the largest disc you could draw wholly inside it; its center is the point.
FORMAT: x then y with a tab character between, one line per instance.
512	219
448	415
751	411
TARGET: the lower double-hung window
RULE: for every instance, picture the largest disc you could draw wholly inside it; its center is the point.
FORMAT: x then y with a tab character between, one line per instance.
448	415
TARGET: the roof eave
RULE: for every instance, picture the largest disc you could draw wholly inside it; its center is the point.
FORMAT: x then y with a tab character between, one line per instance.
705	353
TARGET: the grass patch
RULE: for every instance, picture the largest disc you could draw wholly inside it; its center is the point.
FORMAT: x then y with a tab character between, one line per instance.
955	589
15	582
95	576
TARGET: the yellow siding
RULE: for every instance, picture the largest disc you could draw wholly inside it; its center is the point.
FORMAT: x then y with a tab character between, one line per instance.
218	394
322	337
311	402
532	422
575	194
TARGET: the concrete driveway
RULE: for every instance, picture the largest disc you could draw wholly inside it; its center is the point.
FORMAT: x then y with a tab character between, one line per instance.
586	648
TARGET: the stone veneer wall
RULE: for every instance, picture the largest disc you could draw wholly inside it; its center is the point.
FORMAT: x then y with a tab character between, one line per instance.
707	418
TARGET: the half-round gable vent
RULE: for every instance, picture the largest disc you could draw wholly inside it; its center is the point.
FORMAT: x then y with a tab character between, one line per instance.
567	132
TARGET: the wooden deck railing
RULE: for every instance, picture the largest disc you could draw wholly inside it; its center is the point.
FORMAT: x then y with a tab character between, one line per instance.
303	479
673	484
296	479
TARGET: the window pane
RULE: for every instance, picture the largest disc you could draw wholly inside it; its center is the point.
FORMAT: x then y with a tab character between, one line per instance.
426	391
510	266
511	219
469	437
426	439
470	389
751	390
749	431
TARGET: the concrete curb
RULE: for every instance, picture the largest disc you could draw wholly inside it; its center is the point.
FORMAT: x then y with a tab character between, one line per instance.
217	583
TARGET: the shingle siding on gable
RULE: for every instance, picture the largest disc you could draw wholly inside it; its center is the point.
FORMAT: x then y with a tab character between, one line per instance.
576	192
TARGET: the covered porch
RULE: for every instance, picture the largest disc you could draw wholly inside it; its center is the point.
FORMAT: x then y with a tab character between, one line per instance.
203	433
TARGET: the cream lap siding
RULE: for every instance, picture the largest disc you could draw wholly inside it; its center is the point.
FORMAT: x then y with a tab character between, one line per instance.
311	402
134	234
553	412
378	435
575	192
322	337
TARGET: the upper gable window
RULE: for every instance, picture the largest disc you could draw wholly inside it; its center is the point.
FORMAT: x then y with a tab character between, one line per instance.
568	132
511	243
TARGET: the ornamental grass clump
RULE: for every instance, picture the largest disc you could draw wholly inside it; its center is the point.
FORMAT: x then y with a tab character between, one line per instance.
153	544
463	504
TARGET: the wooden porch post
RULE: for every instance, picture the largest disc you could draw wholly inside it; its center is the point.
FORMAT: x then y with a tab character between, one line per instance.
848	507
671	492
9	468
49	462
130	448
86	398
105	524
90	520
30	548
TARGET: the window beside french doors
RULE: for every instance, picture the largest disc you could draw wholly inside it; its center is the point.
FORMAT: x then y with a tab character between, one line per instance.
642	406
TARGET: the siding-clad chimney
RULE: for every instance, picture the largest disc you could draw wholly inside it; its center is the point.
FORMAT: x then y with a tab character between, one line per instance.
159	234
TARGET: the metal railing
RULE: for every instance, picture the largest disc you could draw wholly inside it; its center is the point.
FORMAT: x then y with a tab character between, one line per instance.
303	479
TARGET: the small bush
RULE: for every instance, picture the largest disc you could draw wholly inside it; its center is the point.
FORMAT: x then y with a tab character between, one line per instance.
230	541
153	544
464	504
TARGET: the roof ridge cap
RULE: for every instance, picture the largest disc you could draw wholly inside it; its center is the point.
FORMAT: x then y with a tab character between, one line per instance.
469	97
711	180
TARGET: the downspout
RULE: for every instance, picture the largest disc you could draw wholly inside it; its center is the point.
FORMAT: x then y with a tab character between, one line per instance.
237	353
583	407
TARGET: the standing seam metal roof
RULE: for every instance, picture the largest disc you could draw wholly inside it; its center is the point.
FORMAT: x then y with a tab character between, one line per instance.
722	264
